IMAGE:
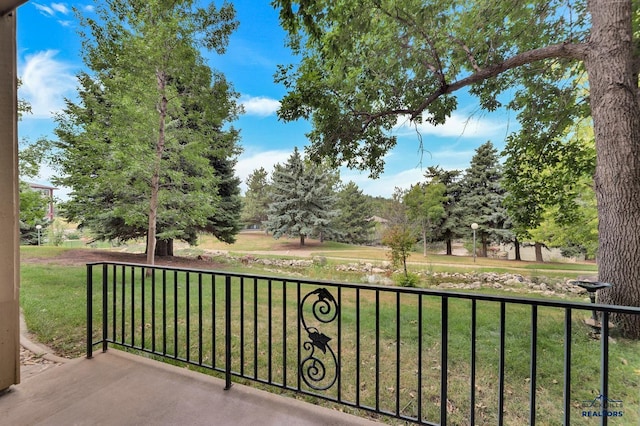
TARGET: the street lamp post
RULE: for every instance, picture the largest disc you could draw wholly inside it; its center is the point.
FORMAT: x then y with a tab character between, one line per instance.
38	227
474	226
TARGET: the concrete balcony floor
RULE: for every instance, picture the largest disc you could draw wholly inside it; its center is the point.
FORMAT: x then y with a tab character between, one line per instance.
117	388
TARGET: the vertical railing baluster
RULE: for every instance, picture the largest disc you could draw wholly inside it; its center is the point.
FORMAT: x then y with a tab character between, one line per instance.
398	360
214	334
567	367
501	364
358	361
377	350
153	310
533	372
114	279
420	338
89	311
604	364
133	307
227	331
284	333
472	396
124	286
299	333
175	315
188	316
142	302
164	312
213	320
200	340
255	328
242	360
105	307
269	332
339	346
444	358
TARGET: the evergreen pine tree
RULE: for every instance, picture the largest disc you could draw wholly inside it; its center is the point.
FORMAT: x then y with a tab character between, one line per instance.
481	198
256	200
353	224
302	204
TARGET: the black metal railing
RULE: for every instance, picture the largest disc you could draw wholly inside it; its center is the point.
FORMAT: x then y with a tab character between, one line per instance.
423	356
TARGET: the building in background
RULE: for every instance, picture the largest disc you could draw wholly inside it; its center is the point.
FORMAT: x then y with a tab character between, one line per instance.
46	191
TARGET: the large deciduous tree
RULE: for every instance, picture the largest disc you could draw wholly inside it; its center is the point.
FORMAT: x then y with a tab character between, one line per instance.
574	232
146	150
33	211
33	205
364	64
547	173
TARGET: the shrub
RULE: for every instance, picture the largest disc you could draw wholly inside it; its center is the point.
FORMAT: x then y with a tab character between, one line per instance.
408	280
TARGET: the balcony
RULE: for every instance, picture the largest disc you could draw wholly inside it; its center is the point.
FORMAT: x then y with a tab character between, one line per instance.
385	353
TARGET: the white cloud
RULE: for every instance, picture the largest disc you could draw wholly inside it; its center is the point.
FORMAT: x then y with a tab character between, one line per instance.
45	83
52	9
458	125
259	105
45	10
88	8
250	161
60	7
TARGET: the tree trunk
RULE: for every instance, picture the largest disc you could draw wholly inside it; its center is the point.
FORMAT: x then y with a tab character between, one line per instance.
613	83
301	240
424	242
449	247
164	248
538	248
155	177
483	245
516	247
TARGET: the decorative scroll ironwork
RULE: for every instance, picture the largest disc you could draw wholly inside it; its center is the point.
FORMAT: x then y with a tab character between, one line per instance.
314	369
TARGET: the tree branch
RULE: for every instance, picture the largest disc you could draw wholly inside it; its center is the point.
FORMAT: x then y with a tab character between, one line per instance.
564	50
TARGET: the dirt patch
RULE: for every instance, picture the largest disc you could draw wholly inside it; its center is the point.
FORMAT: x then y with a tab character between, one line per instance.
84	256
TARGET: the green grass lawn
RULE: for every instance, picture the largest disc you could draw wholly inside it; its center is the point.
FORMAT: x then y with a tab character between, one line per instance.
53	299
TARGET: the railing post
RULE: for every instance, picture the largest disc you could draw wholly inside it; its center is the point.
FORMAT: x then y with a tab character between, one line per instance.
89	311
227	332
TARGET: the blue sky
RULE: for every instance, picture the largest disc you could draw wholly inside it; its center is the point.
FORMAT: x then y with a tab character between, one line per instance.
49	59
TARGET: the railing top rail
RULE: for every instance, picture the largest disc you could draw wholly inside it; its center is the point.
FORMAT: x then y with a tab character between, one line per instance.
418	291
